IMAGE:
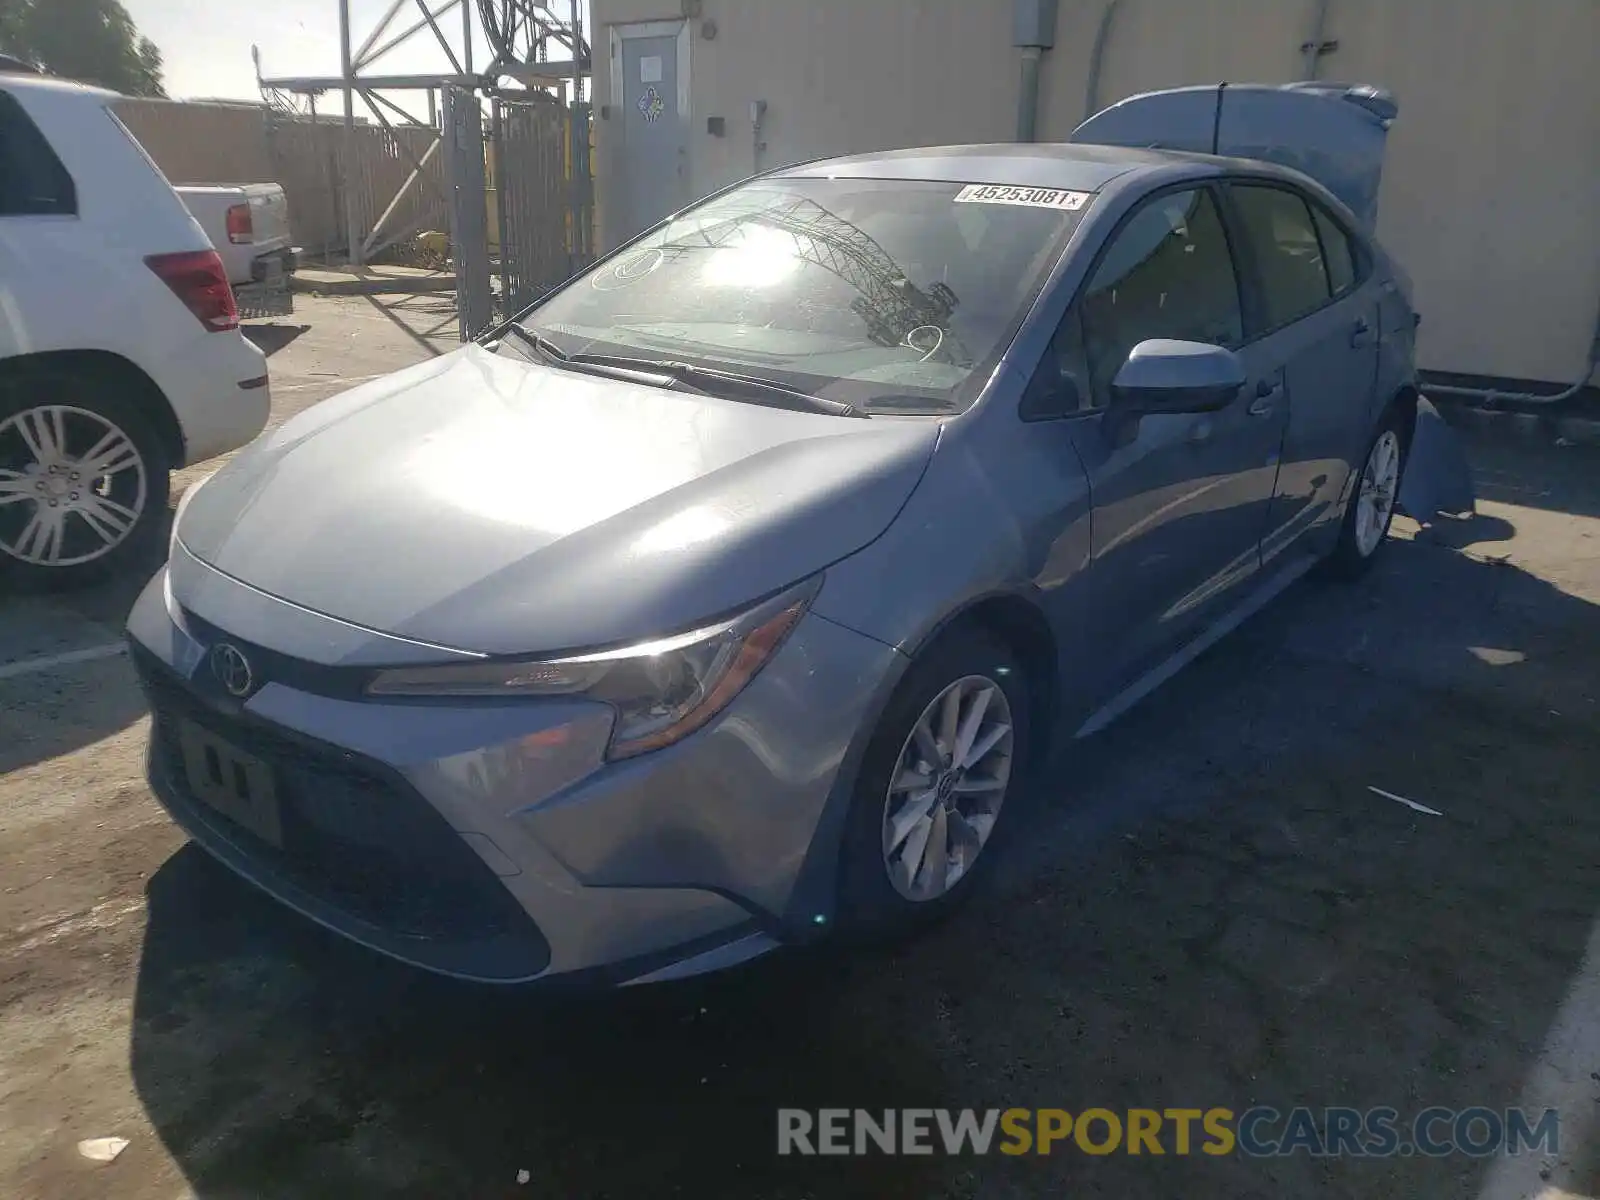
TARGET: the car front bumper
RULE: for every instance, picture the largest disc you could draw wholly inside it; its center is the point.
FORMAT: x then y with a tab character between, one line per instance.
492	841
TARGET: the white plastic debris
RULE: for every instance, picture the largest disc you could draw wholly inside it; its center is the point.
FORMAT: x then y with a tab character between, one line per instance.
102	1150
1411	804
524	1176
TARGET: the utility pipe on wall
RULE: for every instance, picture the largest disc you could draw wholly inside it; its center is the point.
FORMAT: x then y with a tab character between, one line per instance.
1033	30
1028	94
1314	47
1097	58
1492	396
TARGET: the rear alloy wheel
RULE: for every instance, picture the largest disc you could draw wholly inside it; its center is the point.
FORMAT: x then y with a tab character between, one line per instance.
82	484
1380	482
1372	502
930	799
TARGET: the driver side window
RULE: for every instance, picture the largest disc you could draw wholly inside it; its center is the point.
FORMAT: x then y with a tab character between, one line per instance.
1167	273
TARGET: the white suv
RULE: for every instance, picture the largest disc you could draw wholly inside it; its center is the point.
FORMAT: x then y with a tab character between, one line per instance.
121	357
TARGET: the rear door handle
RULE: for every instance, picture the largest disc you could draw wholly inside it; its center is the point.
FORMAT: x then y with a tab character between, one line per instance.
1267	393
1360	333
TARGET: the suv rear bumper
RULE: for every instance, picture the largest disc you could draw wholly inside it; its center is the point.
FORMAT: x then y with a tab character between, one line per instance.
211	382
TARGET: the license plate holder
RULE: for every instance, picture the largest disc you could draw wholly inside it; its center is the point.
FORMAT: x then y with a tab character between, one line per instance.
238	785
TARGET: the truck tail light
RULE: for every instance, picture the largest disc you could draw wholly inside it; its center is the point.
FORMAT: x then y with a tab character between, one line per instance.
241	228
196	277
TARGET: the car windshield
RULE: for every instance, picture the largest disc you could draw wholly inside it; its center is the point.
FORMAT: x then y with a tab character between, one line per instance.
889	295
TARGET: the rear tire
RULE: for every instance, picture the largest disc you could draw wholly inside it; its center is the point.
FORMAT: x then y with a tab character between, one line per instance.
911	799
1371	507
84	479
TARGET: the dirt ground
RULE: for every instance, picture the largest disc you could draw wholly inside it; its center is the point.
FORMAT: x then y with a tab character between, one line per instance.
1211	908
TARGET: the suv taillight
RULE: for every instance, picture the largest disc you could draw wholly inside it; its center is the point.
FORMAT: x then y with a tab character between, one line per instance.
241	229
196	277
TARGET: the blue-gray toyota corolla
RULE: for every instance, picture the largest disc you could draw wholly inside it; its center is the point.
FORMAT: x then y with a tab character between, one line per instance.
728	595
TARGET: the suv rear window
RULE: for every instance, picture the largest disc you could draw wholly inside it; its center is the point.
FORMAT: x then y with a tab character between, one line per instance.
32	180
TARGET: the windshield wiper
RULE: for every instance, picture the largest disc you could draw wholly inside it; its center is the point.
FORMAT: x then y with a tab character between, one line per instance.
629	370
916	406
701	379
719	382
543	345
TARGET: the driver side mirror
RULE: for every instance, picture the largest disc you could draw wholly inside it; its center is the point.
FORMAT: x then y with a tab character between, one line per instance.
1167	376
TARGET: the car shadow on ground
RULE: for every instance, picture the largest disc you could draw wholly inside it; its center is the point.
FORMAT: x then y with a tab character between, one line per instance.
47	714
1210	908
270	337
64	711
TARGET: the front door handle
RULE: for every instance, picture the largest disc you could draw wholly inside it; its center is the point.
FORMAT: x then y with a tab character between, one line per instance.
1267	393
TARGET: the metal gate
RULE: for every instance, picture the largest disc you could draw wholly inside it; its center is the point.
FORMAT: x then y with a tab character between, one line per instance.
541	197
469	218
531	187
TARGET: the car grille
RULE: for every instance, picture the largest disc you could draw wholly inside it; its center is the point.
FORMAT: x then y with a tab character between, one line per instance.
356	838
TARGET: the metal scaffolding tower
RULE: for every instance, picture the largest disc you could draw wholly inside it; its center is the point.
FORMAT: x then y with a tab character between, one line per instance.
519	34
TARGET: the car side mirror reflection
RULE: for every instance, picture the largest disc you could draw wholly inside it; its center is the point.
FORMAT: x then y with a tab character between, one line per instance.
1168	376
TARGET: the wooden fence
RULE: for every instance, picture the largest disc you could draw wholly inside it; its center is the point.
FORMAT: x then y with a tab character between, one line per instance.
307	157
243	143
201	143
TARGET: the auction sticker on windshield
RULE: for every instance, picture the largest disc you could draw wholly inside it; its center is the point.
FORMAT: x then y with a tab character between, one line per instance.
1031	197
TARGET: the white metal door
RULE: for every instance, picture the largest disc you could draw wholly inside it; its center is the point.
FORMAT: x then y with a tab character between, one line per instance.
650	99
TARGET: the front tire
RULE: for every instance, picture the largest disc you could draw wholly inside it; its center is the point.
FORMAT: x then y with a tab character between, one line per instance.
83	480
1371	506
929	805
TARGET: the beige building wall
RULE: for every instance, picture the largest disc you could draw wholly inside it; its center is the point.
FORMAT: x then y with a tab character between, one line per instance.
1491	193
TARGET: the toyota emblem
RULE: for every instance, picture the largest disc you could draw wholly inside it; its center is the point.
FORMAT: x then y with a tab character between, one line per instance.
232	669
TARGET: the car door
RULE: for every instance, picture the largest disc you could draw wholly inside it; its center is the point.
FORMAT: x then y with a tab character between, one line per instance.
1313	311
1178	500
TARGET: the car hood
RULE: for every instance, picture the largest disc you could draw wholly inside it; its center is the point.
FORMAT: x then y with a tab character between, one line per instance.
483	503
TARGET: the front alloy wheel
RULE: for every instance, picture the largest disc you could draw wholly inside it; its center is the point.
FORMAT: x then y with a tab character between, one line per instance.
928	810
947	788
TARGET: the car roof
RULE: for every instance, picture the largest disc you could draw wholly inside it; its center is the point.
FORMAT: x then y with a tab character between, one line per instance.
49	85
1069	165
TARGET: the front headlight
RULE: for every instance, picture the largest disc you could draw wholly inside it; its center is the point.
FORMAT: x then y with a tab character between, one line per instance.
662	690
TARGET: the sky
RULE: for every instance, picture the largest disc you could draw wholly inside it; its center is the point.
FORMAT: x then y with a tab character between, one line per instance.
205	45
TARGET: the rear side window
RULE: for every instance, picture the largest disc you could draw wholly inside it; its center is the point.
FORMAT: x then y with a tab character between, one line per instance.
32	180
1336	251
1167	273
1286	250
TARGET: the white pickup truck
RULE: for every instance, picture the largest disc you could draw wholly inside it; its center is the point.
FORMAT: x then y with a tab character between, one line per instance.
249	226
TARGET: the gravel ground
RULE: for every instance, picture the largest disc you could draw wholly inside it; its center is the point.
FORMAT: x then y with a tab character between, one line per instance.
1211	909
